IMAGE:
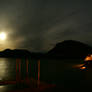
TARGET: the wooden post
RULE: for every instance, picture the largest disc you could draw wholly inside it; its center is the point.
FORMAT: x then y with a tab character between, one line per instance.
27	70
19	64
18	70
38	72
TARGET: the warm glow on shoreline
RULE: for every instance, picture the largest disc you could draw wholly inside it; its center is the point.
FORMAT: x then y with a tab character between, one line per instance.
83	68
88	58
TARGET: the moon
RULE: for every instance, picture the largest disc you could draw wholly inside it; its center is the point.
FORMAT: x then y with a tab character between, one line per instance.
2	36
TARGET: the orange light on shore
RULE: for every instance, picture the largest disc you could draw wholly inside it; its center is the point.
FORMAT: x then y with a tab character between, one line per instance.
88	58
83	68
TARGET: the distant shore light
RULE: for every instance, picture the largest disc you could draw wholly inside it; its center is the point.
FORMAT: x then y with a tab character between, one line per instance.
83	68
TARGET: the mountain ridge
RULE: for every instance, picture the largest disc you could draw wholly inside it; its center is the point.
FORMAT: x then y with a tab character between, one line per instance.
65	49
70	49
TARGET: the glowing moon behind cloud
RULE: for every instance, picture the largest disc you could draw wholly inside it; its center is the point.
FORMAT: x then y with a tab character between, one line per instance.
2	36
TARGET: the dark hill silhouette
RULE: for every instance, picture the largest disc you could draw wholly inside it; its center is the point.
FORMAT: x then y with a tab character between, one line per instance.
20	53
65	49
15	53
70	49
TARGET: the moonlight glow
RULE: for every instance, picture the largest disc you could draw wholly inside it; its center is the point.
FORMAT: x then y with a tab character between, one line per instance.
2	36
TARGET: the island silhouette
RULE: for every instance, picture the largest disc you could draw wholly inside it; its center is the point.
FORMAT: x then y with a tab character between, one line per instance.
66	49
70	49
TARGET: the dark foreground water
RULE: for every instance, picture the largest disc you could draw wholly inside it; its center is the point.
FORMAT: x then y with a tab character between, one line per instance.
60	72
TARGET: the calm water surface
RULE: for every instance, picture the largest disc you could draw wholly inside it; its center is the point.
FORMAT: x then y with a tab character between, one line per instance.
8	72
62	72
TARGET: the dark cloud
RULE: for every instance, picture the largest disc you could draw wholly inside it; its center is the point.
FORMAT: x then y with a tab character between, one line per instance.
38	25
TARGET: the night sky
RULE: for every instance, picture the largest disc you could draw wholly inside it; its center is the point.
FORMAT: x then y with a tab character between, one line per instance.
37	25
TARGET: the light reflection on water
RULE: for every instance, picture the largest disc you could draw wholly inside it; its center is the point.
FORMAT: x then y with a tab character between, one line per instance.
6	88
2	88
3	67
6	68
52	71
8	72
